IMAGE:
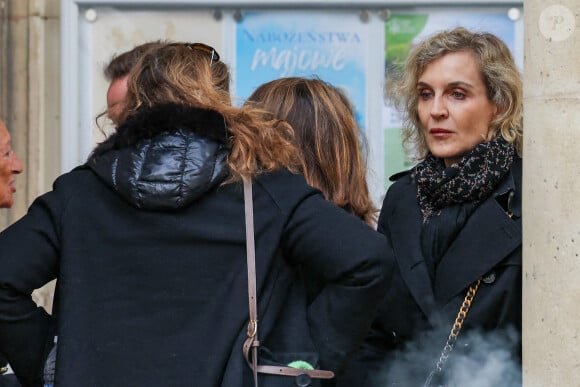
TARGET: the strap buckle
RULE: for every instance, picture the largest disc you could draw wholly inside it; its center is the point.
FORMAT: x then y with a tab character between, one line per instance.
252	328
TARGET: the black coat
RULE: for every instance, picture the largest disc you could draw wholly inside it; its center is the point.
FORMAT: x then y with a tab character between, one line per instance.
7	379
151	297
416	316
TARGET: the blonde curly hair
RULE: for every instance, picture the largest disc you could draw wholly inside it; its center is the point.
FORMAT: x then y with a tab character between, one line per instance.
498	69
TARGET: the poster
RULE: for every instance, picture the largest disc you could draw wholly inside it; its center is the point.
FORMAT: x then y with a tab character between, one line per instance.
402	31
330	46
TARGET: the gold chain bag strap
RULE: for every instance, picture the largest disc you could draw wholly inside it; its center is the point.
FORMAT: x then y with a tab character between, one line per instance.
455	330
252	343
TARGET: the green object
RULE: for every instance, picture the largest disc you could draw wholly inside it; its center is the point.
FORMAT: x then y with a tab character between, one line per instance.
400	30
301	364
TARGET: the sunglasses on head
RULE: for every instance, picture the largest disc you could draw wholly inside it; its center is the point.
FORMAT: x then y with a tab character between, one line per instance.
214	56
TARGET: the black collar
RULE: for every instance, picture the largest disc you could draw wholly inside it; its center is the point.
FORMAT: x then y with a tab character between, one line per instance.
167	118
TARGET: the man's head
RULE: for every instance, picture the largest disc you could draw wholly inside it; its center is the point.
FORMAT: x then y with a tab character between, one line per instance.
117	73
116	98
10	165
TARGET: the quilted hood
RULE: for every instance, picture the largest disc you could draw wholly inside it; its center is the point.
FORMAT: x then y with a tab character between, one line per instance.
165	157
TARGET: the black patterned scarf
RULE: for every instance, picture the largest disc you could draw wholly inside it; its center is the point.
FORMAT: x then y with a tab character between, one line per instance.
472	179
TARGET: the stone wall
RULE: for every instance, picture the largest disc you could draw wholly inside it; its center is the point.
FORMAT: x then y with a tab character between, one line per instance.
551	200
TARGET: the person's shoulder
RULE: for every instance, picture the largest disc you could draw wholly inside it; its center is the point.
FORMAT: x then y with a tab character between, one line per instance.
285	188
402	186
516	171
80	173
514	181
285	184
401	175
401	181
78	181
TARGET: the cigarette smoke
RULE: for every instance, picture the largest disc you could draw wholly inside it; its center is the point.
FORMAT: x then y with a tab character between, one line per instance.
479	359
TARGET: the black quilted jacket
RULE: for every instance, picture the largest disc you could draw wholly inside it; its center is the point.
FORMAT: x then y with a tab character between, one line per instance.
164	158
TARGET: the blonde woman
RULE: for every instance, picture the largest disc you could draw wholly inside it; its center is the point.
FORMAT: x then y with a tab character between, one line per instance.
454	223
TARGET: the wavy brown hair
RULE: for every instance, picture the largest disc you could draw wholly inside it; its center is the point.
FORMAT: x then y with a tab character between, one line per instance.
180	73
121	64
498	70
331	142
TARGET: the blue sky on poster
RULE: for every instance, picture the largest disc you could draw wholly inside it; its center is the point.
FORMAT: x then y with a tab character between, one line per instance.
330	46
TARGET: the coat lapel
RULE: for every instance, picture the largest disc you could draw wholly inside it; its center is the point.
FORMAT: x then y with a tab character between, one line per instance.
405	225
488	237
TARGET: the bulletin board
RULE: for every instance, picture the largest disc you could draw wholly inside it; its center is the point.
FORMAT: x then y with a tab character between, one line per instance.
349	44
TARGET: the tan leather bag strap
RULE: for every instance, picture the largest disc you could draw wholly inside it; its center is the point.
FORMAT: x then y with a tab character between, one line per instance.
289	371
252	343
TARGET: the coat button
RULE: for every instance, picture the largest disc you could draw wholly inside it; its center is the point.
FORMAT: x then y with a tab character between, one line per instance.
303	380
489	278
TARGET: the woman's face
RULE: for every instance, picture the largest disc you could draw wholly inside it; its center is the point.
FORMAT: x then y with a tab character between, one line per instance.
453	107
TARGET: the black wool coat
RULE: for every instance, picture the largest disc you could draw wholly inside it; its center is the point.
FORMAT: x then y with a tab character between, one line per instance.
417	313
7	379
149	252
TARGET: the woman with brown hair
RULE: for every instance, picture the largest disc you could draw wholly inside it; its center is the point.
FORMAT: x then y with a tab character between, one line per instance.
328	137
147	240
452	313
